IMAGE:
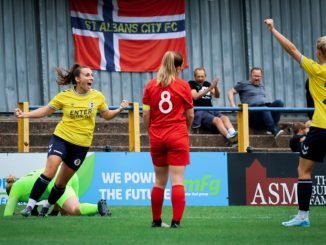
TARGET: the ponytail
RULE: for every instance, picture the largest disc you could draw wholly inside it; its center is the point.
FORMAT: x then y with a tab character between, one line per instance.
167	72
66	77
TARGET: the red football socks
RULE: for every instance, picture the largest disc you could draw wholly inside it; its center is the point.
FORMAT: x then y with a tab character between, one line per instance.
178	201
157	198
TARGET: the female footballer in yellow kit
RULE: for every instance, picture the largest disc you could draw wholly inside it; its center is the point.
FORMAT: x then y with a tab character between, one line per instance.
73	135
313	147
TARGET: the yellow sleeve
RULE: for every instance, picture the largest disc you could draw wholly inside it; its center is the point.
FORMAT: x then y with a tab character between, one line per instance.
146	107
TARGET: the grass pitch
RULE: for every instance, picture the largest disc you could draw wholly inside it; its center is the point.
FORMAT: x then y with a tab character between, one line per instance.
200	225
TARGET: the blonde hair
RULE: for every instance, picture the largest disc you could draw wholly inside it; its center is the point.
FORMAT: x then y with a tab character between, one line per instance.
167	72
321	45
10	180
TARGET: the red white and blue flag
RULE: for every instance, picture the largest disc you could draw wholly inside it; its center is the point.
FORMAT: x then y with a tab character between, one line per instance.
127	35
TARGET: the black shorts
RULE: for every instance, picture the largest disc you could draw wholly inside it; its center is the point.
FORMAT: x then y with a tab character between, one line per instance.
313	147
72	155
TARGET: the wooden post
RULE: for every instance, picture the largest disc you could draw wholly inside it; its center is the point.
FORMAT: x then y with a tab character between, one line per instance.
134	132
243	128
23	129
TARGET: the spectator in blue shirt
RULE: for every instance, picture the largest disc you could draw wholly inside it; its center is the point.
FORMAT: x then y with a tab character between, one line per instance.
252	92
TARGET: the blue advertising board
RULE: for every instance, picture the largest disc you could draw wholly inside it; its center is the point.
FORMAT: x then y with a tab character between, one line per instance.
126	178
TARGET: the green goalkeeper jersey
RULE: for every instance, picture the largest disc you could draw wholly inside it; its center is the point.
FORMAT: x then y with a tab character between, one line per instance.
22	188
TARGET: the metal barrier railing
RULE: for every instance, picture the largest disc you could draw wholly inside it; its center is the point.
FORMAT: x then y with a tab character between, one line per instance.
133	126
243	118
134	123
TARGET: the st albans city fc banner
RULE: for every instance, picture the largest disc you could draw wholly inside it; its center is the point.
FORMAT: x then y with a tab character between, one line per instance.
127	35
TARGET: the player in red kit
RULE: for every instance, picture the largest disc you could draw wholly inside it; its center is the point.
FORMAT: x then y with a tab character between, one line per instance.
168	114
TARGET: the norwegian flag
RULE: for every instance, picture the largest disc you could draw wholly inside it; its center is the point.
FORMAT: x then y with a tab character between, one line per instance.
127	35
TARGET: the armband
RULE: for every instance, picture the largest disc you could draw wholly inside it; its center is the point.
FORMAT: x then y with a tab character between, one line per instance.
146	107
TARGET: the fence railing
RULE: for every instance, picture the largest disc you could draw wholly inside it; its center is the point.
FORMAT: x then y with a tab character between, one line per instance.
243	119
134	123
133	126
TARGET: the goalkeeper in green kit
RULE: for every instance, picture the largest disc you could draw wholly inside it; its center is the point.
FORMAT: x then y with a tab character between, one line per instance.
68	204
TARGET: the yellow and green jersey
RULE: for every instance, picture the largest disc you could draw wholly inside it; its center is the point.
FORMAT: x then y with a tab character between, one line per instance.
79	115
317	88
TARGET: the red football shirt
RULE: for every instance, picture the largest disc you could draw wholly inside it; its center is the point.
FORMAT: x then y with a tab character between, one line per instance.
168	104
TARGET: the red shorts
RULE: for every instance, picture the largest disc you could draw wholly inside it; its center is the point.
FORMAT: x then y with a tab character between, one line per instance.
169	146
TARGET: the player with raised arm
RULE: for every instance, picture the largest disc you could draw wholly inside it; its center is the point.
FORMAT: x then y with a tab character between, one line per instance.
73	135
313	147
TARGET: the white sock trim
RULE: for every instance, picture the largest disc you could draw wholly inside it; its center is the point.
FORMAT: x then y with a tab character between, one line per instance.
303	214
231	131
31	202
